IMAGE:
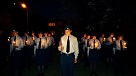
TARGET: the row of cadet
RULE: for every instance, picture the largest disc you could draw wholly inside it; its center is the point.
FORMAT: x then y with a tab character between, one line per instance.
111	40
24	50
109	48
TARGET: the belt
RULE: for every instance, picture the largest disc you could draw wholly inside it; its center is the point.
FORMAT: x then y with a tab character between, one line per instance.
67	54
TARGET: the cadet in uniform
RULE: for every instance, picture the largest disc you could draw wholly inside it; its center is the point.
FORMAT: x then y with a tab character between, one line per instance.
86	51
33	36
50	47
82	46
109	47
69	52
95	46
119	50
102	40
16	54
40	53
27	52
47	49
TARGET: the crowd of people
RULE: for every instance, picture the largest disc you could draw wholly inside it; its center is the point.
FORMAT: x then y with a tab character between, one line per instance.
90	48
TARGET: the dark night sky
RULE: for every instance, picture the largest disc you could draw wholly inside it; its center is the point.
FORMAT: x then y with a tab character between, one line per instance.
123	10
49	8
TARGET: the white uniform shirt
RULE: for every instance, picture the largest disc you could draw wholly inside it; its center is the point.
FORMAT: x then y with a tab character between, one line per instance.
73	45
109	40
29	40
97	44
18	42
117	45
43	43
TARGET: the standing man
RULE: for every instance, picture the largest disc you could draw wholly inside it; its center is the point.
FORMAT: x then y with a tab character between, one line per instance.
109	47
16	54
95	46
40	53
68	47
48	51
50	47
119	51
83	46
85	53
33	36
27	52
102	40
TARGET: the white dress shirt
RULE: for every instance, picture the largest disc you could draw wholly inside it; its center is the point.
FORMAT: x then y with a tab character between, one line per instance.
48	41
29	40
18	43
117	44
109	40
86	40
118	47
43	43
73	45
51	40
97	44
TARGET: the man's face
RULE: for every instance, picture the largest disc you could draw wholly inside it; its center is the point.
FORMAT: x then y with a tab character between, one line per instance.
49	34
26	34
32	33
85	35
88	37
94	37
45	34
14	33
120	38
112	34
67	32
103	35
40	35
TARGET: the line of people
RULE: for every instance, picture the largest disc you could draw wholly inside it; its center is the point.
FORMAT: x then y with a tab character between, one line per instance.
24	50
94	49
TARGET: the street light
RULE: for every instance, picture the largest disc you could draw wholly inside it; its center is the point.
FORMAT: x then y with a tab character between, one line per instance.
24	6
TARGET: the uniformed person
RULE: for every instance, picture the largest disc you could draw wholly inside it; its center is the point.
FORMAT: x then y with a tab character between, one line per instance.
83	41
27	52
102	40
50	47
40	53
109	47
69	52
16	54
33	37
119	51
86	51
83	46
47	38
95	46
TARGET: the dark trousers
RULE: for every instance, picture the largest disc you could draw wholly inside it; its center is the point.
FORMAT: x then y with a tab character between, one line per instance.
86	62
16	63
102	52
27	56
109	51
67	64
119	61
50	52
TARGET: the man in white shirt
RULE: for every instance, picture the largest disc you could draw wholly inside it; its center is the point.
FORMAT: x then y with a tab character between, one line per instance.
119	50
27	52
69	49
16	54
